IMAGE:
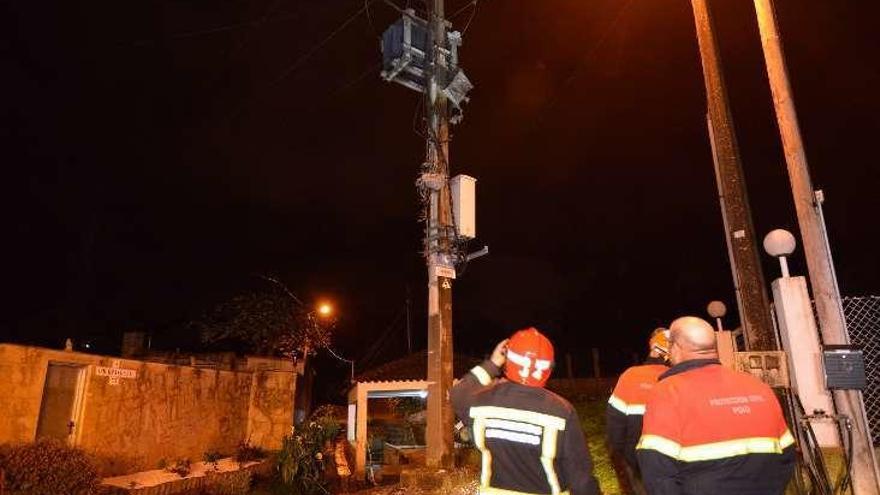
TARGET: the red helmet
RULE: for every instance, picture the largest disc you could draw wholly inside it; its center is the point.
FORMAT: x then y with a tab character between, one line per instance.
529	358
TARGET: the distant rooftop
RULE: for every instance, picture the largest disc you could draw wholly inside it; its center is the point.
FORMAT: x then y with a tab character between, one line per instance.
414	367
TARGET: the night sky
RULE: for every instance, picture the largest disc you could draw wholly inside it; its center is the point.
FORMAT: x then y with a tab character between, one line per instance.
159	154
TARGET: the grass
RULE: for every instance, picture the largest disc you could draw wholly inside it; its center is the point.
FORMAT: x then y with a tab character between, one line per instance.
592	416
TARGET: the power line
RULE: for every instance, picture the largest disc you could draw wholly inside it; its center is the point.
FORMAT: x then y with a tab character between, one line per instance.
299	61
243	40
296	299
372	353
476	4
353	82
215	30
337	356
283	286
462	9
612	27
307	55
395	7
370	19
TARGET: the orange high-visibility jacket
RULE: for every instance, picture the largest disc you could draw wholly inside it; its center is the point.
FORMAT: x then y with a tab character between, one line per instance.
711	430
623	416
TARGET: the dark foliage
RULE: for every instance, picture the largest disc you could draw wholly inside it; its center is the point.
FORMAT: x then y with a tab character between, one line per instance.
265	323
48	467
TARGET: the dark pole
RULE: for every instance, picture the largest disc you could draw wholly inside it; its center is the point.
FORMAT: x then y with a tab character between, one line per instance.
742	246
440	417
408	323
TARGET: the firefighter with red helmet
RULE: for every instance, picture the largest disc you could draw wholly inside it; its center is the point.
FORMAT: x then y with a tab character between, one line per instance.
623	417
530	438
711	430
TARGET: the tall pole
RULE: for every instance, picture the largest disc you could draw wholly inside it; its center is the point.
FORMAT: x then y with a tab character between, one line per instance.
408	323
437	250
832	322
740	234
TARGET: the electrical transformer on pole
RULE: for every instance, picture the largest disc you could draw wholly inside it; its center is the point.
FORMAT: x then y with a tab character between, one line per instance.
422	55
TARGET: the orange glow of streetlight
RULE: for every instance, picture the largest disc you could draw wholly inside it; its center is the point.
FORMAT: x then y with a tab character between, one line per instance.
325	309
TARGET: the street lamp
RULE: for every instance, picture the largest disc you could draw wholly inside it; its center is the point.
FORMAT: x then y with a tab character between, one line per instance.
780	244
325	309
717	310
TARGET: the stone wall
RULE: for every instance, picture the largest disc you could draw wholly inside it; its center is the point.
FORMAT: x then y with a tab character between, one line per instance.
163	412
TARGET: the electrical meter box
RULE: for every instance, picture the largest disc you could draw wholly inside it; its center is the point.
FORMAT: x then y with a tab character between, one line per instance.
771	367
844	367
464	205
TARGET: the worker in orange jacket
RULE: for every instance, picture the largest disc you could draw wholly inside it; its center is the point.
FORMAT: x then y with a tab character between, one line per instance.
623	416
709	430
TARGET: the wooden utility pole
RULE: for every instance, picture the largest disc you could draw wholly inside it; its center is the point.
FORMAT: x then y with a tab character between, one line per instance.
826	294
597	367
742	247
440	418
408	322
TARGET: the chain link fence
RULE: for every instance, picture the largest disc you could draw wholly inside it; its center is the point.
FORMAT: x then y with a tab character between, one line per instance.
863	324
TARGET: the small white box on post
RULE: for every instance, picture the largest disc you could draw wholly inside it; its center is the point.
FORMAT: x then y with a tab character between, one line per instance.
464	205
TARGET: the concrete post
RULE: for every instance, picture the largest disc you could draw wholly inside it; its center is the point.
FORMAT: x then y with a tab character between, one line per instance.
726	348
361	433
865	473
800	338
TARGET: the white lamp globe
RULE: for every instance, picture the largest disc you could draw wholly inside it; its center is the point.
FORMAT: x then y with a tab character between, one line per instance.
716	309
779	242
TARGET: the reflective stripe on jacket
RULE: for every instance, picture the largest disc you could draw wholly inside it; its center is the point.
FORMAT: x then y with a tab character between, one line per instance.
530	439
708	429
623	416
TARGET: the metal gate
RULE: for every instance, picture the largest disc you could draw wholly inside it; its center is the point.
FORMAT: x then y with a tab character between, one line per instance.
863	324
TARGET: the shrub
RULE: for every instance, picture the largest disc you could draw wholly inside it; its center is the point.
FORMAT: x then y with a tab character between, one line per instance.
247	452
48	467
180	467
211	458
301	461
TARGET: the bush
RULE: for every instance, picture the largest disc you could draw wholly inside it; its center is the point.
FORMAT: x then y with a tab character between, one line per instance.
48	467
180	467
247	452
211	458
301	463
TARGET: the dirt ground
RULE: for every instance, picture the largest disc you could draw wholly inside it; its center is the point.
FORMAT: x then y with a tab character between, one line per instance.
459	481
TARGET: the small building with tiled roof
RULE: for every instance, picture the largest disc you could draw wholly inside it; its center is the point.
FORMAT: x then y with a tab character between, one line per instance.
404	377
414	367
